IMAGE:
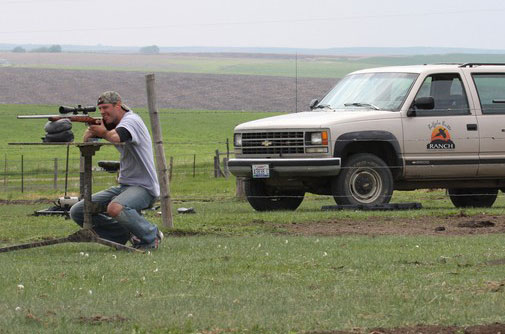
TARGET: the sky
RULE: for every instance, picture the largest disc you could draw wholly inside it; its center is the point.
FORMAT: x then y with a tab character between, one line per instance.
256	23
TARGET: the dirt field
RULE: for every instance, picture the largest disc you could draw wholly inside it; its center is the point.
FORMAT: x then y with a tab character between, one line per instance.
424	329
427	225
174	90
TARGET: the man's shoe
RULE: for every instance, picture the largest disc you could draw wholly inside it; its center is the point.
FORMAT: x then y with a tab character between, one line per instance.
136	243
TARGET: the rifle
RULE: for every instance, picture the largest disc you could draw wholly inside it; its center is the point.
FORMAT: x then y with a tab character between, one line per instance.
73	117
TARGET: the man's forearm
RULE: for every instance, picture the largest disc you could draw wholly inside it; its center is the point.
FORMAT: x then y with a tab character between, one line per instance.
111	136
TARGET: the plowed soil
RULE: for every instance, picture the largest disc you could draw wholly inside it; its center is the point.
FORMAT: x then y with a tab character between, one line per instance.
424	329
174	90
442	226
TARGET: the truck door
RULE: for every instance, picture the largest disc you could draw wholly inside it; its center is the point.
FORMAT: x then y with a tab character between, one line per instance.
442	141
490	91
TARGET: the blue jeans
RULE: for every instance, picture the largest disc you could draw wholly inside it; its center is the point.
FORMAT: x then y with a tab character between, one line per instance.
118	229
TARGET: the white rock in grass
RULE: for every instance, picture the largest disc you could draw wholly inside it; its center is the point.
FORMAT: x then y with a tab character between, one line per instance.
81	253
18	308
325	254
190	315
286	241
90	292
21	286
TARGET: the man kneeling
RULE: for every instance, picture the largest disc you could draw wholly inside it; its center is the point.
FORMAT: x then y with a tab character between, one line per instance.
138	184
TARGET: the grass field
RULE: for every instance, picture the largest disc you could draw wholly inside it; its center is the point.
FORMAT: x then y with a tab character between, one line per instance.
306	66
229	269
187	134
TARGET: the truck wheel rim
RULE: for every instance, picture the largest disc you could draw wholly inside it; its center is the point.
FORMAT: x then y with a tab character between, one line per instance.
365	185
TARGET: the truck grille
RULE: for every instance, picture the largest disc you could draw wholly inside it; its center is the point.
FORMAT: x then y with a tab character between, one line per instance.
273	142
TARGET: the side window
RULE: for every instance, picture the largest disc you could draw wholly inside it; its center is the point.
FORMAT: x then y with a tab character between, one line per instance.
448	94
491	90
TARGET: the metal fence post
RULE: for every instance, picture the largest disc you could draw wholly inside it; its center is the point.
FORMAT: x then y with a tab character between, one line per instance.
55	183
22	174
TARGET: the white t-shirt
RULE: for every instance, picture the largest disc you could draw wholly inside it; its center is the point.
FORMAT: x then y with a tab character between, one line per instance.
137	162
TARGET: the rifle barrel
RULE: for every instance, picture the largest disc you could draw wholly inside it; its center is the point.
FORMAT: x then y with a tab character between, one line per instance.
36	116
74	118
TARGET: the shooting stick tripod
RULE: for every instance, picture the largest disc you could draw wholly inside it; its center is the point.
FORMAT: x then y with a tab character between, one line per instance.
86	234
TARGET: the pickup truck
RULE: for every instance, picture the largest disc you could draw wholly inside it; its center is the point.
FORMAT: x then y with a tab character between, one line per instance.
380	130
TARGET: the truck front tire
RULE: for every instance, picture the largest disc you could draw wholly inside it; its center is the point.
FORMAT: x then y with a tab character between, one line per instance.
473	198
262	198
365	179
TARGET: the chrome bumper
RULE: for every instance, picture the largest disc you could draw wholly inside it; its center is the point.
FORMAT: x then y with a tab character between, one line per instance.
287	167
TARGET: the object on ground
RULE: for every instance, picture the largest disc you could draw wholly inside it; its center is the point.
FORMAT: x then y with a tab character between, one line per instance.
186	210
379	207
61	207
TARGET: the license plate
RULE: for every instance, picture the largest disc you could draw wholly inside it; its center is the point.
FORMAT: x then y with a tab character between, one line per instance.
260	171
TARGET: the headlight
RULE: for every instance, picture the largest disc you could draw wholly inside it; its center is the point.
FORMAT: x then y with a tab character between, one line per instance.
237	139
319	138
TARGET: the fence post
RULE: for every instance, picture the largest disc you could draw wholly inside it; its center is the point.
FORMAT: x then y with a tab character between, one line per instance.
240	191
171	167
22	174
225	167
217	167
227	148
5	171
194	165
161	162
55	185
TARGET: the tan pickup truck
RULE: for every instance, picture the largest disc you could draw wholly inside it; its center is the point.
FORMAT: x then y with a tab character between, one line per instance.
380	130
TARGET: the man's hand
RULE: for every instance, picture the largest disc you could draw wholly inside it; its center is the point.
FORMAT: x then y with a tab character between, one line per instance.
88	135
101	131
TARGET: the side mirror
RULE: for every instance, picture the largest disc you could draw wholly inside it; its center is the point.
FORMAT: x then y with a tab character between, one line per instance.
313	103
424	103
421	103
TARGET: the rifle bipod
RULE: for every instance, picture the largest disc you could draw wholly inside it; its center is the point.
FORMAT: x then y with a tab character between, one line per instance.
83	235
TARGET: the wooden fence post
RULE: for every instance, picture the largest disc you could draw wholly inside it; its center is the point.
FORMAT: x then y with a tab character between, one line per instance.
225	167
217	167
239	190
228	148
161	163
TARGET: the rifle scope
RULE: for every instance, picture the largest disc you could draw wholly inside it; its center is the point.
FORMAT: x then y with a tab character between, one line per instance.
76	110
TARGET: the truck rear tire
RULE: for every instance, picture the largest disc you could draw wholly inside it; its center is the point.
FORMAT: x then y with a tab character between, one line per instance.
262	198
365	179
473	198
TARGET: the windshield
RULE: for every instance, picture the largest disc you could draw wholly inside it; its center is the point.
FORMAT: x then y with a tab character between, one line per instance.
378	91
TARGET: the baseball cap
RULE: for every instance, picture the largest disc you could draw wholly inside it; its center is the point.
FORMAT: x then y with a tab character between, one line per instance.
112	98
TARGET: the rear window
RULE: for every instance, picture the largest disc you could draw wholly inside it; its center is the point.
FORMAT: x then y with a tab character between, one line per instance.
491	90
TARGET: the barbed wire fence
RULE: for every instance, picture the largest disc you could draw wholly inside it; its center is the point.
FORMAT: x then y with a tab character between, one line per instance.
20	173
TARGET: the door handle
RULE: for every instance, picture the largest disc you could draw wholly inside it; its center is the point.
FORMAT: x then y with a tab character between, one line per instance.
471	127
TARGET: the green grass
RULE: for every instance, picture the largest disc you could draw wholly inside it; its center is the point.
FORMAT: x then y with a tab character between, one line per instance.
187	134
317	66
240	275
228	268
